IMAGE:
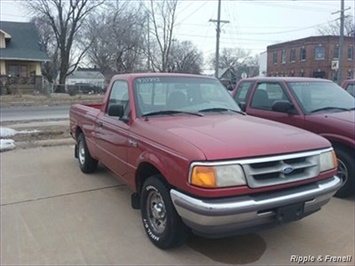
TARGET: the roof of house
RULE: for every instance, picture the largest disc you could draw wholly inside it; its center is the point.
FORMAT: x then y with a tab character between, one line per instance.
86	74
22	42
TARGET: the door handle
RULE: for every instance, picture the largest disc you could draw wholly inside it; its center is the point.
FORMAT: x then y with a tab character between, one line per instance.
133	143
100	124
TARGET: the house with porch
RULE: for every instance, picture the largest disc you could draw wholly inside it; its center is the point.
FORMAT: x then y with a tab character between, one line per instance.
20	58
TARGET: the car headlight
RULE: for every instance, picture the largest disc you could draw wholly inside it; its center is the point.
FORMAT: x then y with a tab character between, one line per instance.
328	160
217	176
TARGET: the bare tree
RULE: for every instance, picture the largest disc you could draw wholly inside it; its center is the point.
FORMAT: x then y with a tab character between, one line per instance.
163	17
65	19
50	46
117	37
333	28
185	58
239	60
230	57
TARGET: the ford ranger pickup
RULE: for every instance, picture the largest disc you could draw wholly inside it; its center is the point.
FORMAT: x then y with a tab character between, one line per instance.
316	105
196	163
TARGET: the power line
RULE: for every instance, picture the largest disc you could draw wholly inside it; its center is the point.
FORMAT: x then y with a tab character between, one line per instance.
177	23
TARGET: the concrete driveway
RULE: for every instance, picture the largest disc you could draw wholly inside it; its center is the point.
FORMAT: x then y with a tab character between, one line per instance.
51	213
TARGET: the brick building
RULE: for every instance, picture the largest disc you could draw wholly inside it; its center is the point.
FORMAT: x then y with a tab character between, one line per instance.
315	56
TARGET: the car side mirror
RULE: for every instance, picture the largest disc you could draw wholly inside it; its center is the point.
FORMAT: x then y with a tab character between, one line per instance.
115	110
283	107
243	106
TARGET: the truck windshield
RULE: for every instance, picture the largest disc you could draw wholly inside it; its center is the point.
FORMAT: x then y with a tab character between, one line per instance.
321	96
185	94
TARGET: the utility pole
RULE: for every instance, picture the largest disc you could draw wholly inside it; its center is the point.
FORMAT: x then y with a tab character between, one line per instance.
341	42
218	31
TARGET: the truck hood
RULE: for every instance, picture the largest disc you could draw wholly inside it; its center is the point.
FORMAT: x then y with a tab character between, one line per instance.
234	136
333	124
341	116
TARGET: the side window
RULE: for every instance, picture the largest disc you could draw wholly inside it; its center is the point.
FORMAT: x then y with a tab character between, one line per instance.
351	89
266	94
243	92
119	95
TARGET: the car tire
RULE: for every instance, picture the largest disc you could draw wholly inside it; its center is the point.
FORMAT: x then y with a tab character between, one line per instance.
86	162
162	224
345	172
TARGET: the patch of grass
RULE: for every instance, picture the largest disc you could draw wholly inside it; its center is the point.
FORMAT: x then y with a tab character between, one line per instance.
53	99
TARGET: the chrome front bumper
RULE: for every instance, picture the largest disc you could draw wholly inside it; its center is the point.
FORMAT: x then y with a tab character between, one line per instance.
236	215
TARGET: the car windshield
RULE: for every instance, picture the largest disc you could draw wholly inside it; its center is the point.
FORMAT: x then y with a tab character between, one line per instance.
321	96
162	95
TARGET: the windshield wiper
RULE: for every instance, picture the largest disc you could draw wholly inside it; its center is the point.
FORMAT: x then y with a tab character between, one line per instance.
331	108
170	112
221	109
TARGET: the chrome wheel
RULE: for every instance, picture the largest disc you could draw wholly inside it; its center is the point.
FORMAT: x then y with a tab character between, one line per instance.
81	154
342	171
156	212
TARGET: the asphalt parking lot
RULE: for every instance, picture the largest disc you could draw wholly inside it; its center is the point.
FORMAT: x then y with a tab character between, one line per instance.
51	213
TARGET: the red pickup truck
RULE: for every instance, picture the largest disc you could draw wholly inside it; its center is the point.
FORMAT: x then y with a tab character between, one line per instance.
317	105
196	162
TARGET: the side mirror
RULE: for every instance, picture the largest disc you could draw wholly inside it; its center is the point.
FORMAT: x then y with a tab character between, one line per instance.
283	107
243	106
115	110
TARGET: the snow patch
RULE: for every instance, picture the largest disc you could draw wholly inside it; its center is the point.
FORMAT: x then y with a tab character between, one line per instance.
7	132
7	144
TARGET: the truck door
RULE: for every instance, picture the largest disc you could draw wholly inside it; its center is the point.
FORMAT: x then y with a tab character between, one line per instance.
112	132
263	97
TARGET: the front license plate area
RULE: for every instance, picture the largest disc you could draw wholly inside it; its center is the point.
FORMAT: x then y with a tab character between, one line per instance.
289	213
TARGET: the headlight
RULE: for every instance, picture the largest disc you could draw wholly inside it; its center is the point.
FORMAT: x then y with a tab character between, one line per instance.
217	176
328	160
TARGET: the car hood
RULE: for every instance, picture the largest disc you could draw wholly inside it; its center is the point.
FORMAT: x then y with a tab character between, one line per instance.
230	136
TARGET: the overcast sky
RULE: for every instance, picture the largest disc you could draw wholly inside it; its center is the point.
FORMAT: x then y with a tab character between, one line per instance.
253	24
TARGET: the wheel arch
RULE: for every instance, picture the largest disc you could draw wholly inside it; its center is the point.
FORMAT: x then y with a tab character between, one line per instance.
78	131
144	171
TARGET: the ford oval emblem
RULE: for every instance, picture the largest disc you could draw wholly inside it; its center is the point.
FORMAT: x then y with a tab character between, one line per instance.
288	169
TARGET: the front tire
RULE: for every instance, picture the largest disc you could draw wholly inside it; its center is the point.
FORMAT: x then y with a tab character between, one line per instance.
345	172
161	222
86	162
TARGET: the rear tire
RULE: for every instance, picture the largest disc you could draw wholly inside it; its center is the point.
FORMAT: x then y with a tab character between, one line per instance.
345	172
86	162
161	222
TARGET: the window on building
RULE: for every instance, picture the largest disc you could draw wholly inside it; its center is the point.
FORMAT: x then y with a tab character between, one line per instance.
18	71
336	52
303	54
293	55
274	58
350	52
283	57
319	53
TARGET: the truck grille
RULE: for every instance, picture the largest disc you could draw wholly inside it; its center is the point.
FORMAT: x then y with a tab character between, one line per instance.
276	170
